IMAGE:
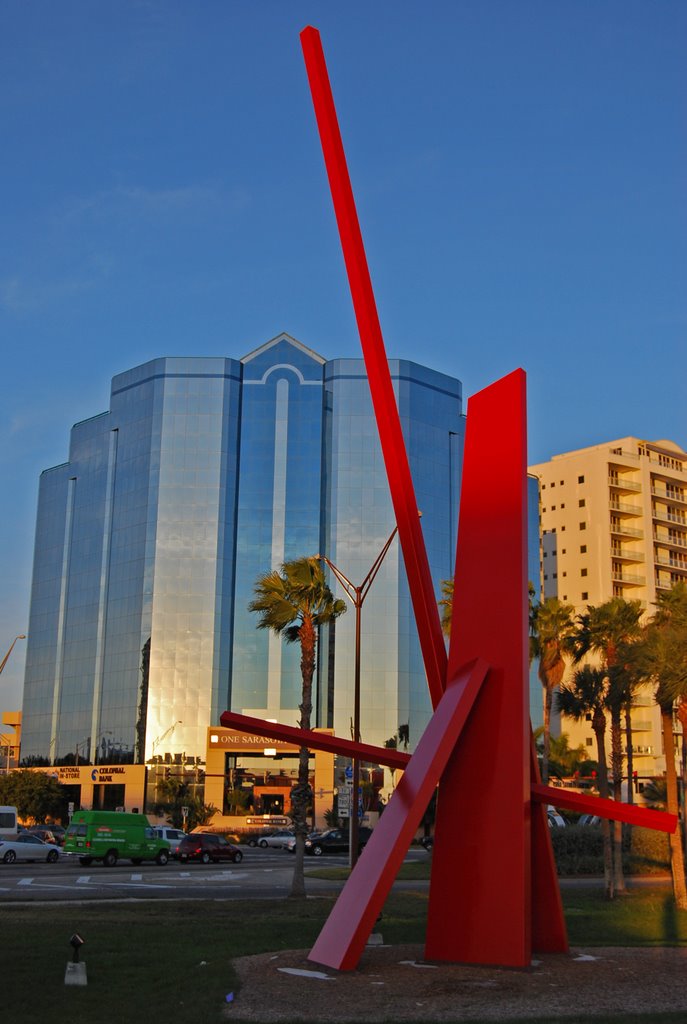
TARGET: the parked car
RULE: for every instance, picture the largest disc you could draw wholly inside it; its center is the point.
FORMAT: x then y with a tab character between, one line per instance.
206	847
589	819
28	847
253	838
172	835
555	819
48	833
335	840
277	839
290	844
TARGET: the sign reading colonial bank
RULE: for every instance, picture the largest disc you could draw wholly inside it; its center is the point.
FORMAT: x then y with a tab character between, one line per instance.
243	742
80	774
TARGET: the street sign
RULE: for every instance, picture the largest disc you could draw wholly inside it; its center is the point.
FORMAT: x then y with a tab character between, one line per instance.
348	772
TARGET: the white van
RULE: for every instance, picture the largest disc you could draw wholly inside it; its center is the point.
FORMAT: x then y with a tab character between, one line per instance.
8	822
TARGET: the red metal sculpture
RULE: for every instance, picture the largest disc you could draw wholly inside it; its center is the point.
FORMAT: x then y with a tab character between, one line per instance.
494	894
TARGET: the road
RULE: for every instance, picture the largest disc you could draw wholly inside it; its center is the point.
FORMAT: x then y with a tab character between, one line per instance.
262	874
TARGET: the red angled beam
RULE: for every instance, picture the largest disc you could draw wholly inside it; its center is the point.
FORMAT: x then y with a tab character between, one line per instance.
398	759
316	740
381	387
615	811
346	930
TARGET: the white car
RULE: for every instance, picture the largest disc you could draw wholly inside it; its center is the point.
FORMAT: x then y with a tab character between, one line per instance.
28	847
172	835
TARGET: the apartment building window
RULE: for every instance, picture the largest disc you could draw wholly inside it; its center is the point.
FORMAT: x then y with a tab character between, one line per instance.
582	502
562	504
553	508
565	574
562	551
583	549
562	482
553	483
589	741
580	479
583	572
583	526
585	595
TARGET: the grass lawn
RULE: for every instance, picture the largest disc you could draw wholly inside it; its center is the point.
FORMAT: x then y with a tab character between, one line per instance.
157	962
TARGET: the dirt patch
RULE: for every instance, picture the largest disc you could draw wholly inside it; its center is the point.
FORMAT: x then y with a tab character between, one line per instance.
394	984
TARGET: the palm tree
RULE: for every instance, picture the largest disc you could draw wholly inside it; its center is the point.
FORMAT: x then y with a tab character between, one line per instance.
606	630
294	602
586	695
664	654
552	628
446	605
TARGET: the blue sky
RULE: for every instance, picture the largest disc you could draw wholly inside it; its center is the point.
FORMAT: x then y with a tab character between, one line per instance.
519	169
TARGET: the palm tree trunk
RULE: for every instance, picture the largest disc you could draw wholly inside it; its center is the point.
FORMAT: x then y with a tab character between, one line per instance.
300	794
677	860
630	756
617	763
548	703
599	727
682	716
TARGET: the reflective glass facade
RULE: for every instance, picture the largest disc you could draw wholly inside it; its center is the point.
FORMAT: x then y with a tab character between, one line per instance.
205	474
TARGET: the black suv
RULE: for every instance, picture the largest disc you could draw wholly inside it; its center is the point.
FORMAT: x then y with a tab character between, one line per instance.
206	847
335	841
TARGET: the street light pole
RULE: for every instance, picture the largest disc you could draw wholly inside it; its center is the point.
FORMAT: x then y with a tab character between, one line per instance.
356	596
22	636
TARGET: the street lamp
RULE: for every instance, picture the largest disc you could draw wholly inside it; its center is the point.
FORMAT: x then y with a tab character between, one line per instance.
356	596
22	636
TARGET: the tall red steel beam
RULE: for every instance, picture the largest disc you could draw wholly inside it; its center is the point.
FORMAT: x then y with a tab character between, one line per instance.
480	894
381	387
549	931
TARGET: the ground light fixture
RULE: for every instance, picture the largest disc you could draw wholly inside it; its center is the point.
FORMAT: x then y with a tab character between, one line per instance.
75	973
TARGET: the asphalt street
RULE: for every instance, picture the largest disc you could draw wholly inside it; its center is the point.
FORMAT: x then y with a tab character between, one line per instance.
262	874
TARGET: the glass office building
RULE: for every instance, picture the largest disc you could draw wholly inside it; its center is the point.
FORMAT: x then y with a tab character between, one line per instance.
204	474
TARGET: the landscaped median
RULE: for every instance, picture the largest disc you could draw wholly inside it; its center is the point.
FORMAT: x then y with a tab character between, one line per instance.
163	961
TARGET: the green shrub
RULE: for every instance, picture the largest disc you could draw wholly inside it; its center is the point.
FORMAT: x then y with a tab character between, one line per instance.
649	852
578	850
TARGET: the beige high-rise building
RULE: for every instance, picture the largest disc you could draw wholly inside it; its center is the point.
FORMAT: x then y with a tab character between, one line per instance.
614	524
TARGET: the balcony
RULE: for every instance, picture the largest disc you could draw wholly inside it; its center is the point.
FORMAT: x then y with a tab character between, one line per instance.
671	563
644	726
622	483
628	510
626	554
658	512
677	541
620	530
668	582
626	578
675	497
